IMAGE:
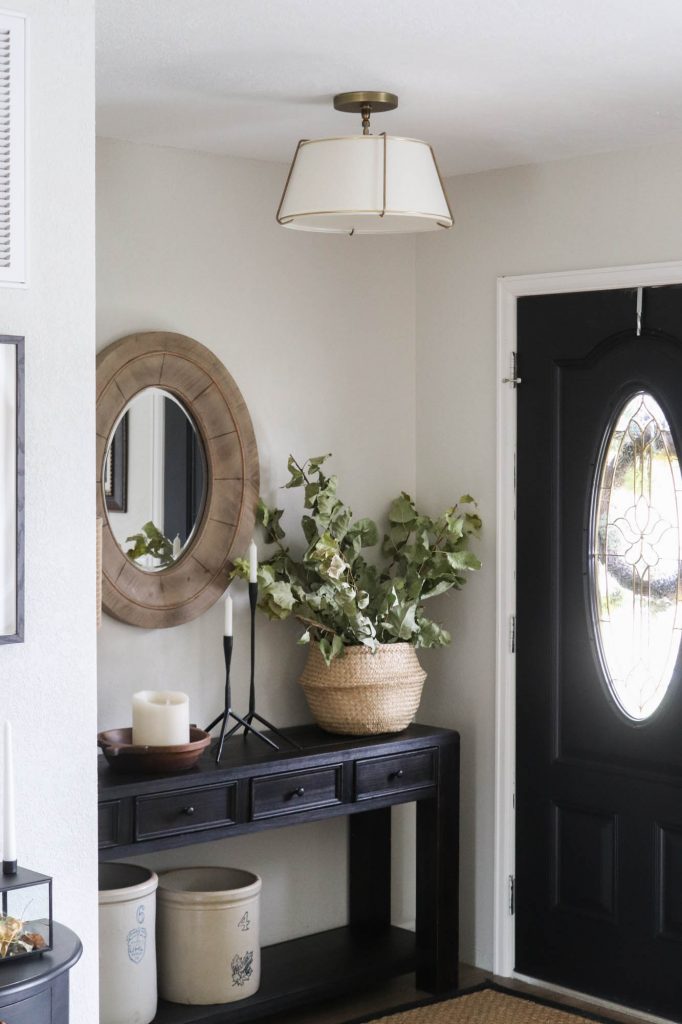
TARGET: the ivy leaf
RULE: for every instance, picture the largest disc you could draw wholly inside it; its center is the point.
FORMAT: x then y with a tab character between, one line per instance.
151	542
440	588
319	460
366	531
309	529
431	634
277	599
401	621
262	513
273	530
463	560
326	498
326	649
402	510
240	569
297	478
311	491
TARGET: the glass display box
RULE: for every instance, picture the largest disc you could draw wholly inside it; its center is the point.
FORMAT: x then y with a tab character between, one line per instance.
26	927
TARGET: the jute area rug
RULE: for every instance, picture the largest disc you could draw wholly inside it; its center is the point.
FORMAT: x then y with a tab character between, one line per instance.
487	1004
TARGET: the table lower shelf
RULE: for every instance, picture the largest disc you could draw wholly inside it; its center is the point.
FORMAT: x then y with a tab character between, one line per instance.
306	970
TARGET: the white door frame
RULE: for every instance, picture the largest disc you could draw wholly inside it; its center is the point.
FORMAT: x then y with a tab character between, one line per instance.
509	289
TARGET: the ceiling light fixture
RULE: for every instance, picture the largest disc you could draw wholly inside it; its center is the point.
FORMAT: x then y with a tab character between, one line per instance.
364	184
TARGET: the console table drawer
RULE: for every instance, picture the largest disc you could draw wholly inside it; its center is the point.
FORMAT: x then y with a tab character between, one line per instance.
108	825
189	810
379	776
34	1010
295	791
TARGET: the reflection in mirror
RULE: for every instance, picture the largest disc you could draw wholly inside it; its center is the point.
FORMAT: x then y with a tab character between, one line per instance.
154	479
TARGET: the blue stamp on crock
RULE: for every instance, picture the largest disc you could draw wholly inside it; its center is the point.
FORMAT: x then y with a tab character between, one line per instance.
137	944
242	967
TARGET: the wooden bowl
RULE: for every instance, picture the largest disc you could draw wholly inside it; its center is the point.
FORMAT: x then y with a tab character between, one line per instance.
124	756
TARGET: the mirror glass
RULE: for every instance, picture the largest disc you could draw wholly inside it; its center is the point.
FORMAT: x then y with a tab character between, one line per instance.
154	480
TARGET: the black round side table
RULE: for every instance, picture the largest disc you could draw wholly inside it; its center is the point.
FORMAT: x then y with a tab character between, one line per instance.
36	990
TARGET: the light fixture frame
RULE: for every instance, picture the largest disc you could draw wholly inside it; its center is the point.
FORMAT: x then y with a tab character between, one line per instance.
377	212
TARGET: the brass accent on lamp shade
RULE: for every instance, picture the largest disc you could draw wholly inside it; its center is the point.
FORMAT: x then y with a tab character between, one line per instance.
364	184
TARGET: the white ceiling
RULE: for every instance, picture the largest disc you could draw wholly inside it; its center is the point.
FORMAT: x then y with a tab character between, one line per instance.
490	83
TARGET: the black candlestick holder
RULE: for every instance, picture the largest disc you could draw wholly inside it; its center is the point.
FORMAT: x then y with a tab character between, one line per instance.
227	713
252	715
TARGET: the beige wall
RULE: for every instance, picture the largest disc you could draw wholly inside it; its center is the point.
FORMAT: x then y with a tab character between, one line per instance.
48	683
320	335
605	210
318	332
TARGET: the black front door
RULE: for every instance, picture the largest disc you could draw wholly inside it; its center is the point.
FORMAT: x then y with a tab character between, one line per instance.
599	615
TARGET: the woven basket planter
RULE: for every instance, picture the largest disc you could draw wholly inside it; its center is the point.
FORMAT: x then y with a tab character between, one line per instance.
363	694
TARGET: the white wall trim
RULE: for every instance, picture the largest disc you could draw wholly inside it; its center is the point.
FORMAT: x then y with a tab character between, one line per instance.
508	291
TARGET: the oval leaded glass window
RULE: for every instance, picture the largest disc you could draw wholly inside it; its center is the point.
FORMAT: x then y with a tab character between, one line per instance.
636	557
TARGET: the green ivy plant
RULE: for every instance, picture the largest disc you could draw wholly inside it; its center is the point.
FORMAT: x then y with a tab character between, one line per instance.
341	597
151	541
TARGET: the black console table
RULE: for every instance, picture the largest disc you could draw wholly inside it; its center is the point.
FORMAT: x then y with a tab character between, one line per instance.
35	990
256	788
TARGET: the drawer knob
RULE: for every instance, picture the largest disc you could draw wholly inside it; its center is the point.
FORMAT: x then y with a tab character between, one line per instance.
397	775
189	811
300	791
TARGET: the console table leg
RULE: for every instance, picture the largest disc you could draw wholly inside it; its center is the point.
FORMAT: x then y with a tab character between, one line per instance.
370	869
438	879
60	1000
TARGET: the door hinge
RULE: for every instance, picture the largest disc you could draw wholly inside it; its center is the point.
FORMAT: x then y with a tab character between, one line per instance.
512	894
512	634
513	377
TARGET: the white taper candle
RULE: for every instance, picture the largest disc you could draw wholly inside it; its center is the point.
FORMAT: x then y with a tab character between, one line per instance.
9	840
228	616
253	562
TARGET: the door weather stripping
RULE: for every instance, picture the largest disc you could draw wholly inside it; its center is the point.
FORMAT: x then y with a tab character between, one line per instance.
513	378
512	634
638	314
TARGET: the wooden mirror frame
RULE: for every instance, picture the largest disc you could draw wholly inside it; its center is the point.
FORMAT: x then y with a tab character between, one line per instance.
195	376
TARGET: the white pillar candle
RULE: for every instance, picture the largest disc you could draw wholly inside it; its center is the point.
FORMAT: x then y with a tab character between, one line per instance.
253	562
9	840
160	718
228	616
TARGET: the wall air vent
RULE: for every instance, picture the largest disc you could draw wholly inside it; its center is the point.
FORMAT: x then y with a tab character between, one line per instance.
12	150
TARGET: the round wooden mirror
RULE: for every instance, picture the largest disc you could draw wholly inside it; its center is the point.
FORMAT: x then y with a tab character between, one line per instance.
177	478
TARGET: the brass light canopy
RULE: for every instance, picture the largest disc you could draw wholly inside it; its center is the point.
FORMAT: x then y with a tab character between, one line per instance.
364	184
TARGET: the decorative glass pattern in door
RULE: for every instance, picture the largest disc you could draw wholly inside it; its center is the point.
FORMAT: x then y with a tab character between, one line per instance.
635	557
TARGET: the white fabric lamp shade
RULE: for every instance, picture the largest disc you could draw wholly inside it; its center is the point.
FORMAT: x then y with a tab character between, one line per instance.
364	184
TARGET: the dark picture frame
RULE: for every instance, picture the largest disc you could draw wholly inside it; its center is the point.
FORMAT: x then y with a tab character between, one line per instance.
115	477
16	438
